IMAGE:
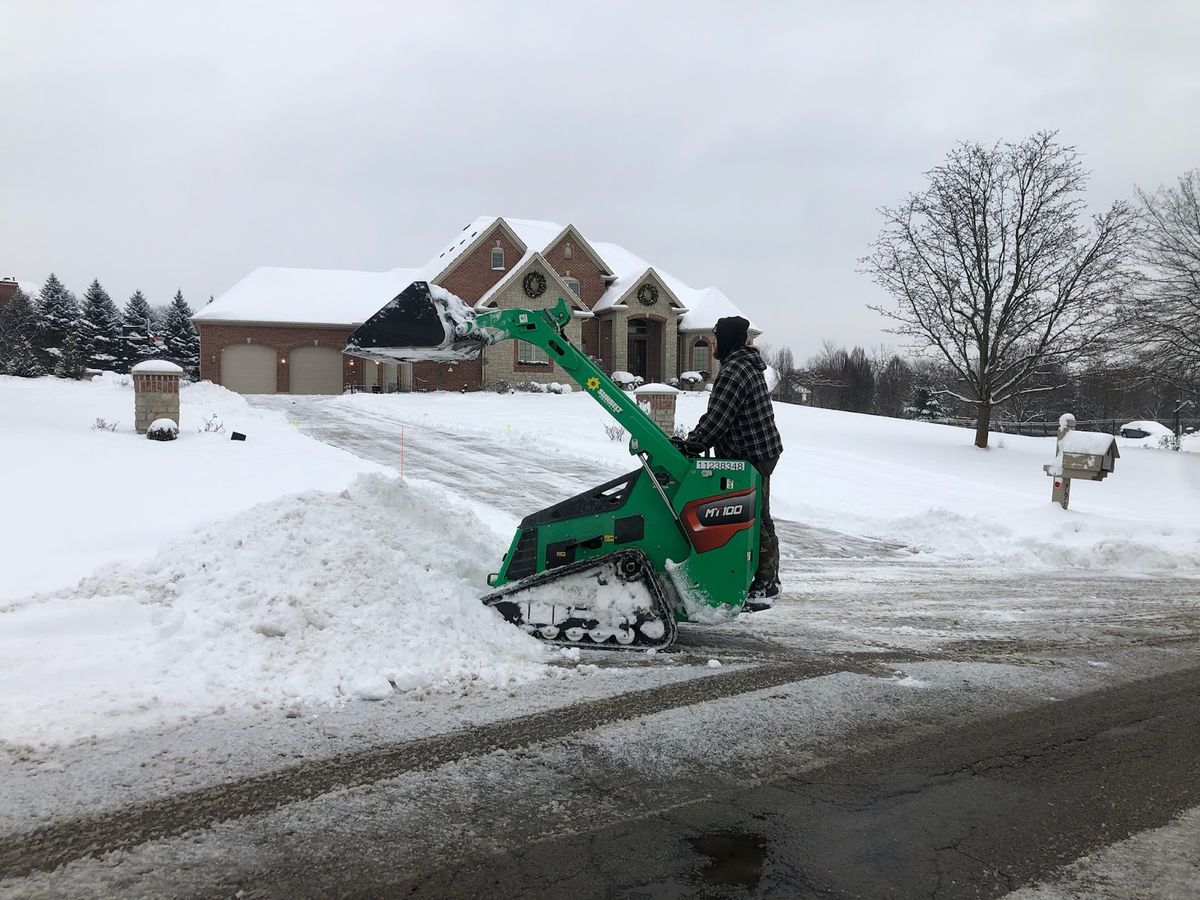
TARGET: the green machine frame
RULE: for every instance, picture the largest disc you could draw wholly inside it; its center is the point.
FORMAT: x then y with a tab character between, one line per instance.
696	519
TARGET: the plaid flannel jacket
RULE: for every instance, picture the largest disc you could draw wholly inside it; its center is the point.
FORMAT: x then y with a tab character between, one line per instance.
740	422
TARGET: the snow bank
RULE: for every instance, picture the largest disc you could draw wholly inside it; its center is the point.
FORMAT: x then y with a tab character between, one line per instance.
86	496
316	598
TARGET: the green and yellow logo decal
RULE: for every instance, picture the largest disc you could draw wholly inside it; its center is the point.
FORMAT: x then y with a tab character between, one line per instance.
593	383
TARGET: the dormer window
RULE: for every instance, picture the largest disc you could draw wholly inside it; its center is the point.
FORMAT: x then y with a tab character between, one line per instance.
497	257
573	284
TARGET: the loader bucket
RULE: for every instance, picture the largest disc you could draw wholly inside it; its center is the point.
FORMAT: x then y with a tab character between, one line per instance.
420	323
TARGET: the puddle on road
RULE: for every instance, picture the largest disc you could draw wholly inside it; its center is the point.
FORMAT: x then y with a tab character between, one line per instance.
735	858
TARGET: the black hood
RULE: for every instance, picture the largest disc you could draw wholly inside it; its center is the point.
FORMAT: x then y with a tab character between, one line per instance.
750	354
730	332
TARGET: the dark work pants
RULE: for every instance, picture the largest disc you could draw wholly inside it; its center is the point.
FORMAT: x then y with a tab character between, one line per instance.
768	544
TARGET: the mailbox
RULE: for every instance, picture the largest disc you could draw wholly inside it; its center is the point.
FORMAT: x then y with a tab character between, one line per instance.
1081	454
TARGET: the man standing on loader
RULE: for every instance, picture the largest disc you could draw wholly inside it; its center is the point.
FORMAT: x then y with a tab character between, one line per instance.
740	424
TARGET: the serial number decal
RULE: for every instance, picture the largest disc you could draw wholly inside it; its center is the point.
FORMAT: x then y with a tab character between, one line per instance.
724	465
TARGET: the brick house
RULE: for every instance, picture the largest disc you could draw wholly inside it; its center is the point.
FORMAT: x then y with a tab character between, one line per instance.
8	289
281	330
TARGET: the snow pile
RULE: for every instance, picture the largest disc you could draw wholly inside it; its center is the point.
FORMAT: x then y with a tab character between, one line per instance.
315	598
89	496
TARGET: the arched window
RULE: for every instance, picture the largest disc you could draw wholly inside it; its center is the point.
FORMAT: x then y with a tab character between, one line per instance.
700	356
497	257
573	284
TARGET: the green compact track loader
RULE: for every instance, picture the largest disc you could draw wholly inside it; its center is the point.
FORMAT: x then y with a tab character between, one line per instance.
617	566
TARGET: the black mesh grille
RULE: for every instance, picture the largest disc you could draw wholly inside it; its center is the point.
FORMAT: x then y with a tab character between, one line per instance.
524	558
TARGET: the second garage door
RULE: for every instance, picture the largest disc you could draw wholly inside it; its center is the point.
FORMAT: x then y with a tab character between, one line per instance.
315	370
248	369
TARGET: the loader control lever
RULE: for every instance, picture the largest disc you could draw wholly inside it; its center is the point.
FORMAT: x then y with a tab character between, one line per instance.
689	448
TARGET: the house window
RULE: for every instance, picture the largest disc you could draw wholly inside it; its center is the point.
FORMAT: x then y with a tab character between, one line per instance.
637	326
497	257
573	284
700	357
529	355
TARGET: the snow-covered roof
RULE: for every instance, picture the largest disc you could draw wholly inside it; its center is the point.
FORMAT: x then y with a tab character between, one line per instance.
308	296
706	307
157	367
703	306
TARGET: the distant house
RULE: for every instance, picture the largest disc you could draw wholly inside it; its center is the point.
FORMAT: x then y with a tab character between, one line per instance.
283	330
8	289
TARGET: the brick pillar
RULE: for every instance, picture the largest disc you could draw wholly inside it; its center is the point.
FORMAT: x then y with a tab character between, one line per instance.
155	392
658	400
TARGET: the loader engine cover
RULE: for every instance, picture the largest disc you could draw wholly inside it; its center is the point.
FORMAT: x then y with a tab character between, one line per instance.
712	522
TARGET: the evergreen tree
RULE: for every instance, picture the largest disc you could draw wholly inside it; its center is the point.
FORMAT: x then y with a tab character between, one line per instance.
183	344
71	360
58	317
18	326
137	328
101	328
158	319
925	404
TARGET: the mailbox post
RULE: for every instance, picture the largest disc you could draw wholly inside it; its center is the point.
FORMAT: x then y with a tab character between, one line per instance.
1081	454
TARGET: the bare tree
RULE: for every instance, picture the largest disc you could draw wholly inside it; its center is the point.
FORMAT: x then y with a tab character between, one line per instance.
841	379
1164	319
994	268
893	382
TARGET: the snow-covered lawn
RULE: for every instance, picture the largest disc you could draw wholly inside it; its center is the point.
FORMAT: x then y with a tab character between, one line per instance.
76	497
282	572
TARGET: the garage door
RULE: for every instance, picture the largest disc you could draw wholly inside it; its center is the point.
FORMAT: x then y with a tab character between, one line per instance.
315	370
248	369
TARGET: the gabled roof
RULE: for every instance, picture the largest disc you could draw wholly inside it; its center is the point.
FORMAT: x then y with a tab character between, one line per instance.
465	242
519	270
623	287
544	235
526	234
307	296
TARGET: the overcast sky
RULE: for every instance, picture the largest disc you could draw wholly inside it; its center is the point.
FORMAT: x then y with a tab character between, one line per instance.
749	145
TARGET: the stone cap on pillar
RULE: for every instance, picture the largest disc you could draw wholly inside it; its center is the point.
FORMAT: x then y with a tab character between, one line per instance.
656	388
156	367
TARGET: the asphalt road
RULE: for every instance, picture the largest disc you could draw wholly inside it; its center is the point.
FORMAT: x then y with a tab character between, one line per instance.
975	811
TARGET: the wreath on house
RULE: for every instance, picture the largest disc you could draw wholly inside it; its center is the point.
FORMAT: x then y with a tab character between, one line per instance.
534	284
647	295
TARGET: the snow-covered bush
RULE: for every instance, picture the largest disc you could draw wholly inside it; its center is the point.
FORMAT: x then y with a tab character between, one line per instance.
557	388
102	424
502	387
211	425
162	430
1170	442
691	381
627	381
614	431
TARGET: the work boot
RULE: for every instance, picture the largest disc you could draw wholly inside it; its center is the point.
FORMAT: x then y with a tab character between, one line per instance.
762	595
